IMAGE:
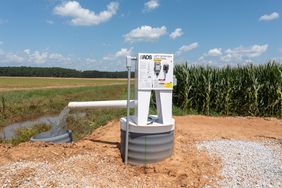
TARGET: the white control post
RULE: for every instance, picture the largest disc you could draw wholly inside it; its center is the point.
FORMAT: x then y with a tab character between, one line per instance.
152	135
154	72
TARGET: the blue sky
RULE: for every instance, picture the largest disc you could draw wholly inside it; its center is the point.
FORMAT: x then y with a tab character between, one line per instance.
98	34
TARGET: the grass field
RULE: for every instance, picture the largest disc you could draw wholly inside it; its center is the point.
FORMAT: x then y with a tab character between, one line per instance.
23	83
29	98
24	99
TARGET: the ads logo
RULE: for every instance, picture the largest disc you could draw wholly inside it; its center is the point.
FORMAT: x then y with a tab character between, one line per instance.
146	56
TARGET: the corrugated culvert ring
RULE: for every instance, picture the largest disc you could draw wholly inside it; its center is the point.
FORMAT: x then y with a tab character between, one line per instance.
64	137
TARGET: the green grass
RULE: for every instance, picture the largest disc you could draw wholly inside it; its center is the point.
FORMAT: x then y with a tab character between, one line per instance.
83	126
18	106
24	134
30	104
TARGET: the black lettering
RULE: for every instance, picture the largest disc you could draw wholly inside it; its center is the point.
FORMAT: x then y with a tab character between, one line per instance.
146	57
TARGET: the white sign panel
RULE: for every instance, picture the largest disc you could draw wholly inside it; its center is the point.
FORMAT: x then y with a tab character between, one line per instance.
155	71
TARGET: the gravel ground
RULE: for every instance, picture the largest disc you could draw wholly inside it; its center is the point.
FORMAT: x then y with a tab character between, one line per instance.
88	170
95	160
247	163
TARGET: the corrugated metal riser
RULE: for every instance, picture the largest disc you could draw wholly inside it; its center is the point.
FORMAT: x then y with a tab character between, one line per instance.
148	148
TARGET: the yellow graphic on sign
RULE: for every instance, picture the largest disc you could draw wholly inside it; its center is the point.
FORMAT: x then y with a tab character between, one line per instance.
168	85
157	60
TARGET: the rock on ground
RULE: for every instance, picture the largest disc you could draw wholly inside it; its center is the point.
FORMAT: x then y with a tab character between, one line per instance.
247	163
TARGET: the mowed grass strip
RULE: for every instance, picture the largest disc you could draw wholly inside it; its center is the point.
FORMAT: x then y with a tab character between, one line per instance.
21	83
18	106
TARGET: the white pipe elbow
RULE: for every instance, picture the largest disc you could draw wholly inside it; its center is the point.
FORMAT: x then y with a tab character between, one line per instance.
103	104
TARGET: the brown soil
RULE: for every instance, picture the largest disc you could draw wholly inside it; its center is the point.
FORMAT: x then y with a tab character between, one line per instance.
96	161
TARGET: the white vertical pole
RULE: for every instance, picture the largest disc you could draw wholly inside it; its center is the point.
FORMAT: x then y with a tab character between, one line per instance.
143	105
128	66
164	106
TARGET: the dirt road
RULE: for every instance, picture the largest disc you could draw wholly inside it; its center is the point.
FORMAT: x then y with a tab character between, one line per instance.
96	161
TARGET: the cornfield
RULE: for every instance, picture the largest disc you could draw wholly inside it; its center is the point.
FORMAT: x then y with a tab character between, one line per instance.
252	90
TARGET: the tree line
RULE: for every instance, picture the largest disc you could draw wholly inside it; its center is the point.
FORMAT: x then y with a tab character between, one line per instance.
59	72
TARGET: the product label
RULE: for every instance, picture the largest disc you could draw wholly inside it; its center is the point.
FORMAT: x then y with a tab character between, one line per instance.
155	71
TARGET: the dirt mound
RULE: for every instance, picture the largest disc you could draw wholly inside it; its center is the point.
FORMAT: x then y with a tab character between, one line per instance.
96	161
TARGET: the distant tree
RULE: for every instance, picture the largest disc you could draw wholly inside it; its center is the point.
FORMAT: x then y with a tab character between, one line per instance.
59	72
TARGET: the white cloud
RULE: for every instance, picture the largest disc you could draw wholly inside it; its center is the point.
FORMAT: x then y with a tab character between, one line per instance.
39	57
280	50
32	57
201	58
215	52
176	33
269	17
57	57
90	62
123	52
7	57
109	58
116	60
51	22
82	16
46	58
233	56
187	48
42	57
244	52
1	42
151	4
11	57
145	33
27	51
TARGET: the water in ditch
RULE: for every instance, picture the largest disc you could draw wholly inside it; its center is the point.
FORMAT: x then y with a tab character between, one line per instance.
58	125
61	125
58	133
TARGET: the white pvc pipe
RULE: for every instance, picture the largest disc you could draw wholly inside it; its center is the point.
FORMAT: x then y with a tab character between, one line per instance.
102	104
